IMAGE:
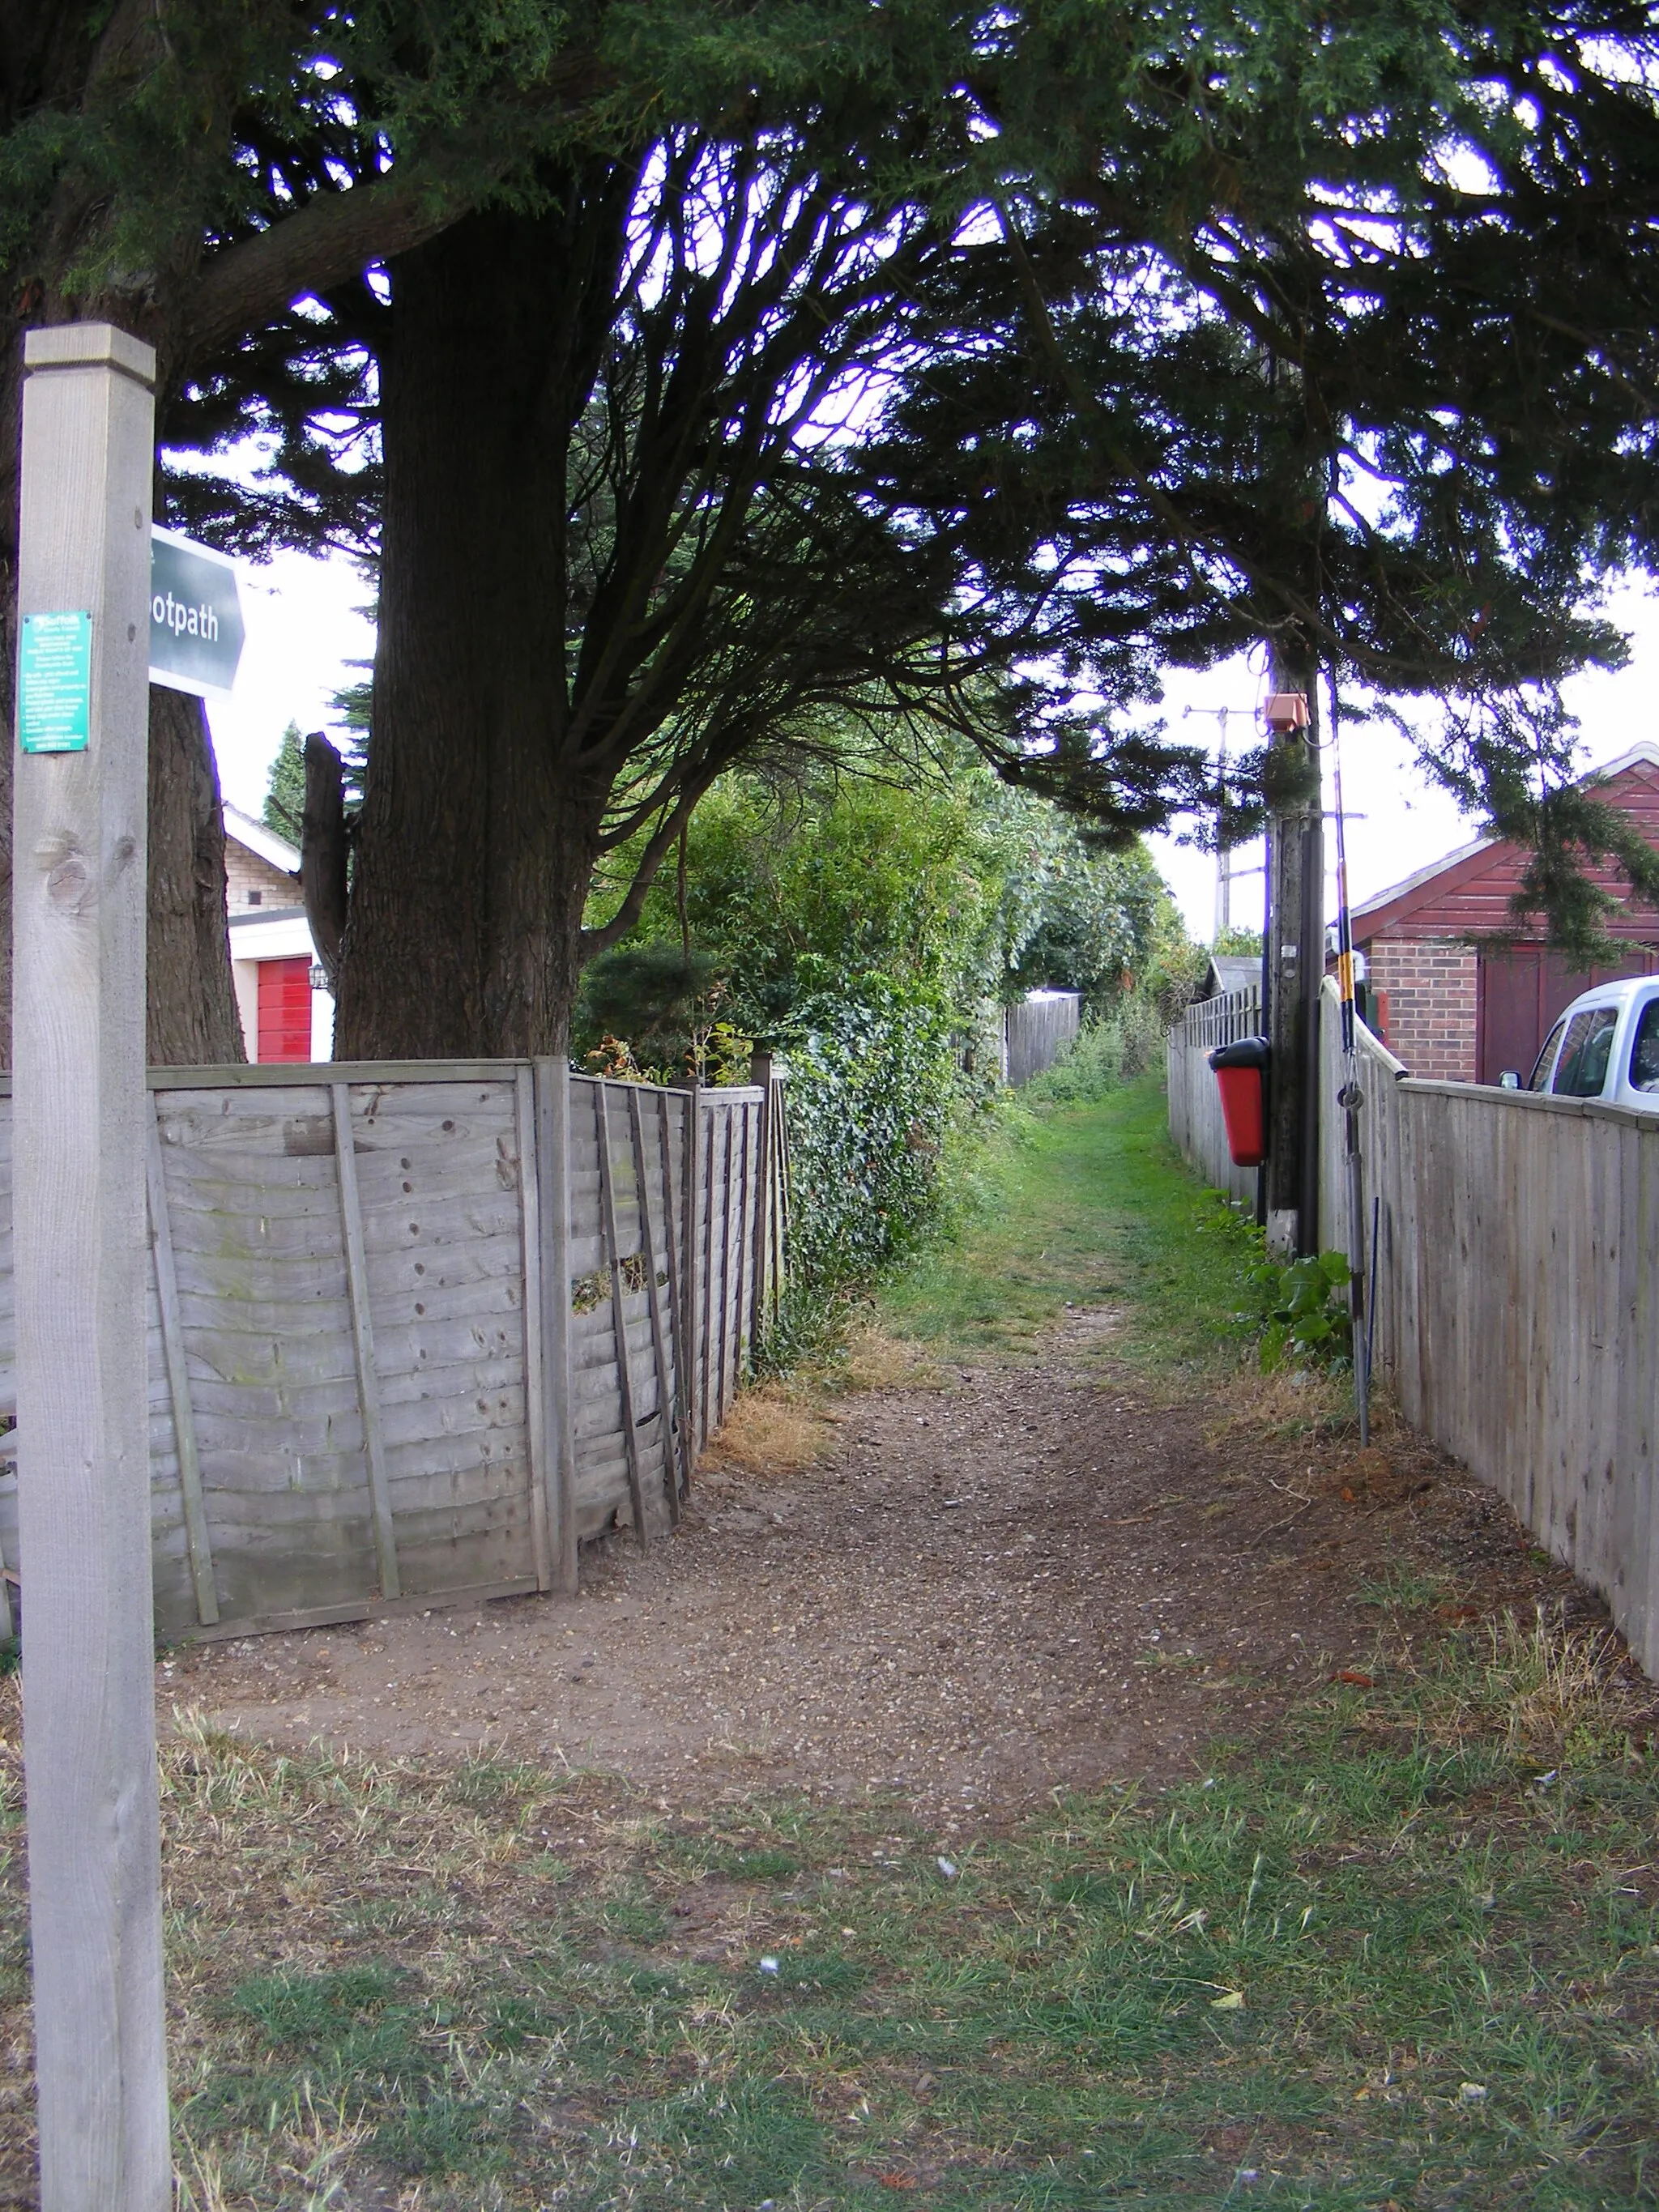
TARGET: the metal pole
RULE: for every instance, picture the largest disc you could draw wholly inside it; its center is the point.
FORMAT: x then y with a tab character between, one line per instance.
79	1123
1224	858
1351	1098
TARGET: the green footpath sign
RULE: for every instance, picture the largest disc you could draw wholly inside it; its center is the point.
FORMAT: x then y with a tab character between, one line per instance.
54	684
195	616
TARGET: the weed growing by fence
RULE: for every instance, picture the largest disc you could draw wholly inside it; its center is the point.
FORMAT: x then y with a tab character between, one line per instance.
1102	1054
1305	1317
1084	1070
893	1144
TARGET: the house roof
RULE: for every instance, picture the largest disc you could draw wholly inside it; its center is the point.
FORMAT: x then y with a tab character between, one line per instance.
1231	971
276	933
275	851
1467	892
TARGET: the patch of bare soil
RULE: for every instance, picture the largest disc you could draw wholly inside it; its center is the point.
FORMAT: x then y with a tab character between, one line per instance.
1015	1580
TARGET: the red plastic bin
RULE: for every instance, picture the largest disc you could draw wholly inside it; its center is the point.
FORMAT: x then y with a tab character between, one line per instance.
1240	1070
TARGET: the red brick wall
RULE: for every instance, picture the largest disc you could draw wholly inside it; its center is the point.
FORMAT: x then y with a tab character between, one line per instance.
1430	983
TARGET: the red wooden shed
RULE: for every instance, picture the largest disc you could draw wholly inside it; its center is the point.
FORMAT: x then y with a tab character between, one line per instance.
1463	991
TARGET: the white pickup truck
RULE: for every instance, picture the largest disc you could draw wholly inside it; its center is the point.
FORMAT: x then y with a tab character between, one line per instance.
1606	1046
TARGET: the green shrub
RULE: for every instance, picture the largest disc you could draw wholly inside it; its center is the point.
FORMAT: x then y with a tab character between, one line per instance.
1102	1054
1142	1022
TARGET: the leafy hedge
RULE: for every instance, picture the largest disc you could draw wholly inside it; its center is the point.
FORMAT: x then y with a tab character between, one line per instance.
874	1084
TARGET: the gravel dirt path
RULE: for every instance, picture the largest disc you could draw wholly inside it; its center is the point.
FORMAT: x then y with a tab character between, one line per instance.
1011	1581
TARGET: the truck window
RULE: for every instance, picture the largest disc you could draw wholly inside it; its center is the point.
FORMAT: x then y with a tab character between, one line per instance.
1585	1050
1644	1049
1539	1078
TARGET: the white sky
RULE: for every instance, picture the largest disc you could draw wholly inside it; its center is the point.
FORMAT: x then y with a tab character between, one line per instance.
304	626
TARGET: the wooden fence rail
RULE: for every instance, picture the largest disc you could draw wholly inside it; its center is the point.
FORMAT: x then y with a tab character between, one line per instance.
1517	1312
414	1330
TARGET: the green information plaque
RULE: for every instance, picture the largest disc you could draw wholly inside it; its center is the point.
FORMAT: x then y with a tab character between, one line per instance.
54	684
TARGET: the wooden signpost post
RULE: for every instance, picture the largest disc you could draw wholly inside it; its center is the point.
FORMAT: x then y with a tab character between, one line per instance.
78	1116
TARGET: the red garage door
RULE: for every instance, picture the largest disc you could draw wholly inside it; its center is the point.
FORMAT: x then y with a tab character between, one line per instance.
1521	990
284	1010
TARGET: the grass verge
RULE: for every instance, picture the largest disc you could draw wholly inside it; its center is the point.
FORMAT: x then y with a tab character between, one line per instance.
1409	1957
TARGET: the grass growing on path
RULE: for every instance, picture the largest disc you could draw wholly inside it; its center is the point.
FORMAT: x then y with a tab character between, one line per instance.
1087	1205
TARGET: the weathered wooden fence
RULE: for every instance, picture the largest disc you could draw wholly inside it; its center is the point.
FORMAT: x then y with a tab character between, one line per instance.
1035	1031
1517	1312
1195	1121
416	1330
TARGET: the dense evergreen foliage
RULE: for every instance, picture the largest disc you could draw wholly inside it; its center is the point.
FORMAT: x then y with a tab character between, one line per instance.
285	790
953	888
955	365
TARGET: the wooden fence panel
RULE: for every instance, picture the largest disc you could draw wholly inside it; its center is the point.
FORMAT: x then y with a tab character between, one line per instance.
404	1321
1035	1031
254	1202
1518	1308
438	1170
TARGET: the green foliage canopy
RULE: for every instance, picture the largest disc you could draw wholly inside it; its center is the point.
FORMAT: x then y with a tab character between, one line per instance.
953	888
1335	328
867	926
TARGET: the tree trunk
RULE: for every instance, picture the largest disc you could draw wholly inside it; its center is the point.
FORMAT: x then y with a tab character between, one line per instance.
191	1005
325	852
477	842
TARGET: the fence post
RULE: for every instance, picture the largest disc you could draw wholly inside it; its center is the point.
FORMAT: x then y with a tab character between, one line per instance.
79	1109
760	1072
553	1208
692	1289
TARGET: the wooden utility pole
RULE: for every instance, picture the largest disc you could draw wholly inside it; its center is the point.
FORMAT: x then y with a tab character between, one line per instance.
78	1120
1292	960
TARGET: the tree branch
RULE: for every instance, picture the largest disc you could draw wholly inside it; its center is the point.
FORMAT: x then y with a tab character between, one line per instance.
331	238
595	941
338	234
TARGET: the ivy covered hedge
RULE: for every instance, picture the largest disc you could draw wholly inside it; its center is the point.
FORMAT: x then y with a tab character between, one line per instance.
874	1086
